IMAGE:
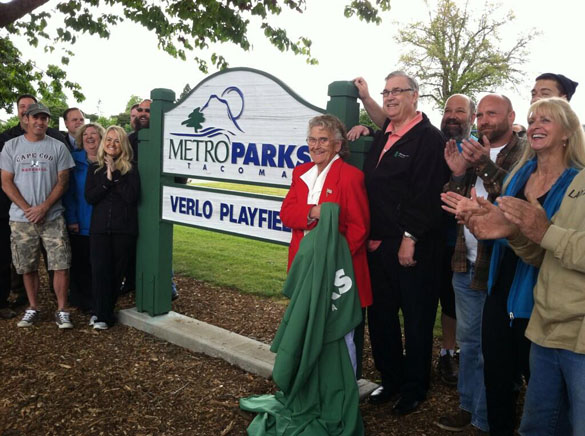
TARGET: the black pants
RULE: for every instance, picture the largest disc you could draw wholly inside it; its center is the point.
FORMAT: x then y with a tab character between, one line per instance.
5	261
109	262
80	287
414	291
446	291
506	353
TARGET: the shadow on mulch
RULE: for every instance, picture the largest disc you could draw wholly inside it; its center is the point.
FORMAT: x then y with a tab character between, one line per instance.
124	382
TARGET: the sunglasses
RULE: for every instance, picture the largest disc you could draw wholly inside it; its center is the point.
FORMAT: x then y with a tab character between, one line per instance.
140	109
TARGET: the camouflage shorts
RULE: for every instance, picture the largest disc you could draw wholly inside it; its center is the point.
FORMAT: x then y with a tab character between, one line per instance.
25	241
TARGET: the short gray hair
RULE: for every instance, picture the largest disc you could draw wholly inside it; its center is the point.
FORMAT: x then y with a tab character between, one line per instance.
335	126
412	83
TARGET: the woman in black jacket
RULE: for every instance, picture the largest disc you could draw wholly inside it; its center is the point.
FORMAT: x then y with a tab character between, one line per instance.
112	187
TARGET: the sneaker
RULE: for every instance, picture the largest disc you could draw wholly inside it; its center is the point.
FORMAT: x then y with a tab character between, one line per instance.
446	369
92	320
99	325
456	422
30	317
62	320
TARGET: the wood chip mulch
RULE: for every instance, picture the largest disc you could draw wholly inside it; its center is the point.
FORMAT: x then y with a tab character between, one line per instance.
125	382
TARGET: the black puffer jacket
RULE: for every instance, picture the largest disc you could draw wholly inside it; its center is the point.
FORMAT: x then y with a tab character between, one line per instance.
115	202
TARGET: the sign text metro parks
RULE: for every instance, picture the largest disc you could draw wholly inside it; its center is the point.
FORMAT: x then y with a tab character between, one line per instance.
233	213
238	126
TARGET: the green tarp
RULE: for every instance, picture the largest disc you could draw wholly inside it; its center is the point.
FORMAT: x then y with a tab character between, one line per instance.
318	391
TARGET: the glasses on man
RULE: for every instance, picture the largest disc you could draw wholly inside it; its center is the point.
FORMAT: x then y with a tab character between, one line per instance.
395	91
313	141
140	109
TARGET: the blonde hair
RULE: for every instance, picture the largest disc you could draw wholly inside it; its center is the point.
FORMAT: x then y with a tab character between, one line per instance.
560	111
82	129
123	163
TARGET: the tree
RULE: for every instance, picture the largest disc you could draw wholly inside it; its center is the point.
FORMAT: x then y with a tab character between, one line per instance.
181	26
185	93
458	53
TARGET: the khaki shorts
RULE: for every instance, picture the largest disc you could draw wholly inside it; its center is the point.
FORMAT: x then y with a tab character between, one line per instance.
25	241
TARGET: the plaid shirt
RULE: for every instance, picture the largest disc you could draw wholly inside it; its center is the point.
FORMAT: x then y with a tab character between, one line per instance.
493	175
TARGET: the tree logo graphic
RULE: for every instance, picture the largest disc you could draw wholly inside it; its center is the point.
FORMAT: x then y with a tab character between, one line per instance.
196	118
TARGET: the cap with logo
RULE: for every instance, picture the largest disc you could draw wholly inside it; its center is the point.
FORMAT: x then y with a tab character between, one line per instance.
37	108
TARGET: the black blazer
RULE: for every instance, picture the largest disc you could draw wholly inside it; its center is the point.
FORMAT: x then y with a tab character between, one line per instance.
115	202
404	188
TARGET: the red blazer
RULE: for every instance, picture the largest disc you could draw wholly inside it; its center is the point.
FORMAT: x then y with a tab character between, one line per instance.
343	185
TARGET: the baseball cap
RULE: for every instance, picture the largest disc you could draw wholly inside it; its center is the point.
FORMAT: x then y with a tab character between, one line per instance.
37	108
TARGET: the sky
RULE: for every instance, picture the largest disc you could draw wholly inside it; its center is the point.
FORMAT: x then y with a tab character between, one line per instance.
110	71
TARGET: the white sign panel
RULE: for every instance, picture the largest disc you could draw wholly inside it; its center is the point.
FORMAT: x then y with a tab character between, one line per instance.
239	125
232	213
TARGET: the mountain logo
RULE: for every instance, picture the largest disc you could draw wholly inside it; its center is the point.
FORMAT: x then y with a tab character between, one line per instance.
230	102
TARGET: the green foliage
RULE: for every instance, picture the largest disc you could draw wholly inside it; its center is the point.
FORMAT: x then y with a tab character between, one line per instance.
181	27
364	10
10	122
365	120
134	99
186	91
455	52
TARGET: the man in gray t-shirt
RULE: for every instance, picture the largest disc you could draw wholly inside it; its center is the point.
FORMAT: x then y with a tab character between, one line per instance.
35	174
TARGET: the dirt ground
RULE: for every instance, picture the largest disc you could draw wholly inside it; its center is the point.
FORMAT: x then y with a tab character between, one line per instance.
125	382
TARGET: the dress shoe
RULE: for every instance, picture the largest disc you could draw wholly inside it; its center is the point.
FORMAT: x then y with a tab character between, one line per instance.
405	406
455	422
381	395
7	313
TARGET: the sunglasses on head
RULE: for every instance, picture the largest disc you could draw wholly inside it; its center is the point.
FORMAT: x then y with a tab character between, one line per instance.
140	109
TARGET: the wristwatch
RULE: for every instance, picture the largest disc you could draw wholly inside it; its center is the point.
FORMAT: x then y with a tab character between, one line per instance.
409	236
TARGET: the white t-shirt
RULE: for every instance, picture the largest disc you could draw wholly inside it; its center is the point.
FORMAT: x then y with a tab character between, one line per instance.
470	241
35	166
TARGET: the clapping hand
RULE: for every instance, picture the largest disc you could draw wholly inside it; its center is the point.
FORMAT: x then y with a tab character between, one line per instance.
529	216
489	222
459	205
455	160
109	161
475	153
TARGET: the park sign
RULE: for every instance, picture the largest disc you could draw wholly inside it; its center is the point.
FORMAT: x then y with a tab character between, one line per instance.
241	214
240	125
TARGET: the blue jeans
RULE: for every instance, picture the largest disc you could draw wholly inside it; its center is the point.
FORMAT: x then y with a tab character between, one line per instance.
469	308
555	398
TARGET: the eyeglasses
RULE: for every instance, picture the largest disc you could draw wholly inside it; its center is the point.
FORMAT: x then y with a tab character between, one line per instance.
395	91
140	109
322	140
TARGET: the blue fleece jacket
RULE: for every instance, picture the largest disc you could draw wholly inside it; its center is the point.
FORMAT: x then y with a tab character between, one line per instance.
77	209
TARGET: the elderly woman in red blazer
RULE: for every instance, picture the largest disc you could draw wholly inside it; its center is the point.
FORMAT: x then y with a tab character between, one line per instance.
328	178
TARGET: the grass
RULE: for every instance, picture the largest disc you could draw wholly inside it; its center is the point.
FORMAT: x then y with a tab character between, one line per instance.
248	265
264	190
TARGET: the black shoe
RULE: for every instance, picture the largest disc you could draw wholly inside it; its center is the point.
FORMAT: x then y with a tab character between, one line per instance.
405	406
446	369
456	422
381	395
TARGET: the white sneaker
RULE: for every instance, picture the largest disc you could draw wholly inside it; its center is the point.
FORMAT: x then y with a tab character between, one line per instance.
62	320
99	325
92	320
30	317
